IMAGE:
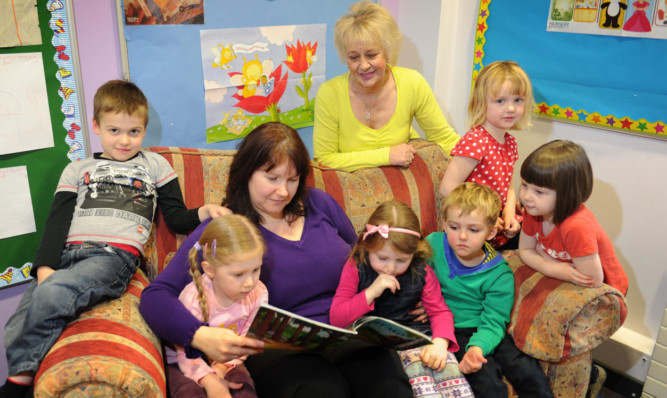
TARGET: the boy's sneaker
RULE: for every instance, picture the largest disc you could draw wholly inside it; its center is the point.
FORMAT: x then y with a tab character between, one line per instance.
14	390
598	376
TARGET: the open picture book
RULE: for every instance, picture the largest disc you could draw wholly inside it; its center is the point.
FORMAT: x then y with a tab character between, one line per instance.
281	329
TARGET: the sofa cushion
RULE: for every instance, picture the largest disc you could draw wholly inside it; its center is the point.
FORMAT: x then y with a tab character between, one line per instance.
567	320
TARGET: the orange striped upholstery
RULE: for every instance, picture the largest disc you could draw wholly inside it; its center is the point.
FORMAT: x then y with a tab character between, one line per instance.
108	351
560	323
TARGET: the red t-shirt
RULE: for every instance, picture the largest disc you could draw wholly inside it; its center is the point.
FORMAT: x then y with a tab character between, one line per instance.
579	235
496	160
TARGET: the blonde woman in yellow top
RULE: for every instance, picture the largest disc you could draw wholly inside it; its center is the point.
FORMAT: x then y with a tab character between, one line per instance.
363	118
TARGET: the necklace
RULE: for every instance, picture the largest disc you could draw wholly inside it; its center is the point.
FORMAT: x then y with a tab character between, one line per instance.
369	109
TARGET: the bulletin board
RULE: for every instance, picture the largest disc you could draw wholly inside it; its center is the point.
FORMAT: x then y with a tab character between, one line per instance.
44	166
607	82
165	61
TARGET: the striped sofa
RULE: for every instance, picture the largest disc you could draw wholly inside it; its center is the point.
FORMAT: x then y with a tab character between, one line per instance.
109	351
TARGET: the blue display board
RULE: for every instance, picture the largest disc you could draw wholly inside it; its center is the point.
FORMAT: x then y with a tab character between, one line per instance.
608	82
166	62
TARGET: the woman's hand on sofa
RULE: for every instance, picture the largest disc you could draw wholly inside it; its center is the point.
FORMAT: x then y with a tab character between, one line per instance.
222	345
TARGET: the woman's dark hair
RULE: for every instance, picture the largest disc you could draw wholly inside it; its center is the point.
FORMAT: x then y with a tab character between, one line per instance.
267	146
564	167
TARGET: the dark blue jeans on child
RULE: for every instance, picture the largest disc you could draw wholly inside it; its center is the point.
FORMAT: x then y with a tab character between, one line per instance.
522	371
89	273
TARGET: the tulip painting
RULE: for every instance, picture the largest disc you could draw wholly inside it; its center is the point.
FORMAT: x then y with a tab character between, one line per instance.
258	74
299	59
261	103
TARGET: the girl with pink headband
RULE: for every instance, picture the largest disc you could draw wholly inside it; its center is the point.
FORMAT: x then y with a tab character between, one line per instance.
386	275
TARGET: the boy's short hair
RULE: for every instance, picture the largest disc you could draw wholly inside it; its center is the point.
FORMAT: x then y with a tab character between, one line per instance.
117	96
470	196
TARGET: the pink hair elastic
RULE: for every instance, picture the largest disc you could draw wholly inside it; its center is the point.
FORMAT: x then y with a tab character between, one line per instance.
384	229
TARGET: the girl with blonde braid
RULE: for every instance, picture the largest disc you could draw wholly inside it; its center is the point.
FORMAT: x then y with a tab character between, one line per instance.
225	292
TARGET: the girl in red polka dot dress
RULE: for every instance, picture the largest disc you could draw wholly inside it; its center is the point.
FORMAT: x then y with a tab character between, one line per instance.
501	100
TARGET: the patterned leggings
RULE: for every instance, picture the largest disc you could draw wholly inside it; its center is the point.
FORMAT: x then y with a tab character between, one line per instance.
427	383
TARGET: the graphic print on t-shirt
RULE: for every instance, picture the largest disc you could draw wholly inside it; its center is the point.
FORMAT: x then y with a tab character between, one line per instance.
129	189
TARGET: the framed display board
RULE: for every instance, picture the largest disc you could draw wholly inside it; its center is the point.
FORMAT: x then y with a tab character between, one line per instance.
164	57
597	80
36	169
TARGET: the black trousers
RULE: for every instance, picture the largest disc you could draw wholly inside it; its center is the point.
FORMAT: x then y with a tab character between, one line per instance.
353	369
521	370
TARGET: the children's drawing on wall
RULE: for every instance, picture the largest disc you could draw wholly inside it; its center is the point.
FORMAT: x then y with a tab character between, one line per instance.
638	20
609	17
159	12
25	120
661	13
255	75
612	14
19	25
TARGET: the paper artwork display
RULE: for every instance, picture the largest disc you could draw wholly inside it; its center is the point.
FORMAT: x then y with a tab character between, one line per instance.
255	75
628	18
15	204
25	121
19	25
68	89
161	12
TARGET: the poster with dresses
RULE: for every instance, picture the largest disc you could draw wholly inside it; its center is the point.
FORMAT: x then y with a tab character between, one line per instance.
627	18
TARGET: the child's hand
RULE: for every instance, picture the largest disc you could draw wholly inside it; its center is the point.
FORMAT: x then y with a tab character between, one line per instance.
472	360
435	355
512	227
217	386
576	277
43	272
382	282
212	211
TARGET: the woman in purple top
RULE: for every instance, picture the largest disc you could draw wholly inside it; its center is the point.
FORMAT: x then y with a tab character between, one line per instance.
308	239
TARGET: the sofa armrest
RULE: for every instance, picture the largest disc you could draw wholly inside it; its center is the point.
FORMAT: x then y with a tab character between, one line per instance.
109	351
554	320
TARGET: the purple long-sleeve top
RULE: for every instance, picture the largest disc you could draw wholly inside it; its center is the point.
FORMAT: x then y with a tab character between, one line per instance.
301	276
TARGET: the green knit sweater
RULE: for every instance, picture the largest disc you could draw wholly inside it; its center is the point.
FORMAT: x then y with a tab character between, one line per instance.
481	297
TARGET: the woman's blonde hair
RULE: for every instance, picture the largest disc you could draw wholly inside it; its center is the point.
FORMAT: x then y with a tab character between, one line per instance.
394	214
225	239
368	23
489	82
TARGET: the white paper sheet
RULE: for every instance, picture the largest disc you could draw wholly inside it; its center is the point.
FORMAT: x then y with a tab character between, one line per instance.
25	121
16	214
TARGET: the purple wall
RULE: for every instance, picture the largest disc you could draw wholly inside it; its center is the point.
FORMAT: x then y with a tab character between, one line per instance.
99	51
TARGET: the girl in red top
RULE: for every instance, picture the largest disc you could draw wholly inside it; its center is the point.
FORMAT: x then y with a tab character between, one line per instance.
560	237
501	100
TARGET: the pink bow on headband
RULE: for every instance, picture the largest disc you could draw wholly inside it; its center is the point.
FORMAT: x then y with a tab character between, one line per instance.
384	229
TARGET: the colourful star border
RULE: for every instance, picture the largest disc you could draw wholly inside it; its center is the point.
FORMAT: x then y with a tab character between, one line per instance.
643	127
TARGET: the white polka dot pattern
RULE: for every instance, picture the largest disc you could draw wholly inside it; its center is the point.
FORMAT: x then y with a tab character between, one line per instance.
496	160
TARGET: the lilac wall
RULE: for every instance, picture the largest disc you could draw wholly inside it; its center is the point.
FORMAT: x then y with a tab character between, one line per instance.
99	51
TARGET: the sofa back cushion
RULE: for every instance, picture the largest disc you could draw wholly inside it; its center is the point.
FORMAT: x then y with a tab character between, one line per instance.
203	175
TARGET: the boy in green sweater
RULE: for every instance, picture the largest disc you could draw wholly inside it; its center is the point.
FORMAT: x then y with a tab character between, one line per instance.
478	286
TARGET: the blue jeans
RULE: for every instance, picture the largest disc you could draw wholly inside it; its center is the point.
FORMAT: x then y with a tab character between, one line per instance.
89	273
